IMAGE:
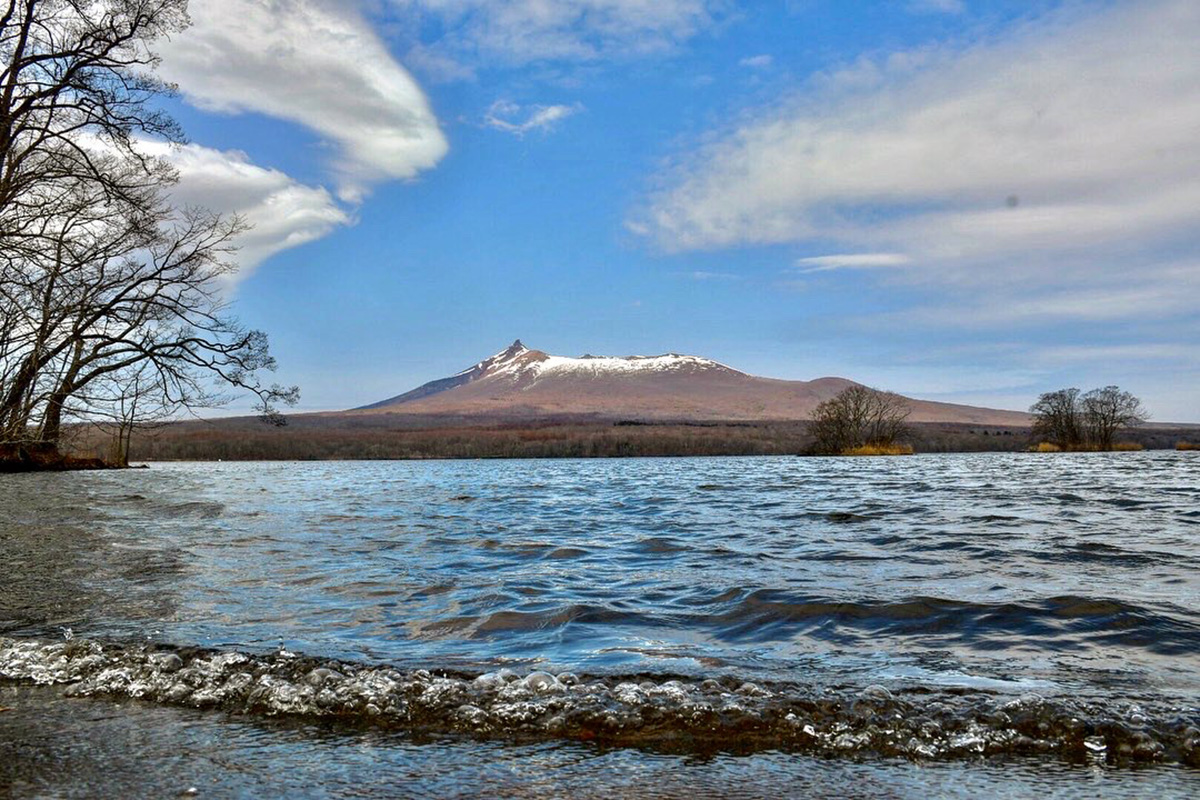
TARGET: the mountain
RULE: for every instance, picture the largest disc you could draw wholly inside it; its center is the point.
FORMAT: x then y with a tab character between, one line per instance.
522	383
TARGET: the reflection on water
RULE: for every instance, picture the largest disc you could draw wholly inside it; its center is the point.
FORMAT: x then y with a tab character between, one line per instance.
1074	576
122	748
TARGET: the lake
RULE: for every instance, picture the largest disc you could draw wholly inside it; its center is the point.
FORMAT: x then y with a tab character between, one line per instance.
954	625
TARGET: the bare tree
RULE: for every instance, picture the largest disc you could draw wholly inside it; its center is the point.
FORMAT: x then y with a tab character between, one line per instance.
102	279
1057	419
74	72
857	417
158	308
1107	411
119	405
1074	421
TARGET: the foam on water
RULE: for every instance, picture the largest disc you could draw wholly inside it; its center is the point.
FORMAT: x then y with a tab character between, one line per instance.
940	610
674	714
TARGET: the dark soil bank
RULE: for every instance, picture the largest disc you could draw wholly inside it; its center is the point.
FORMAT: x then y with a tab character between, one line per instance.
20	458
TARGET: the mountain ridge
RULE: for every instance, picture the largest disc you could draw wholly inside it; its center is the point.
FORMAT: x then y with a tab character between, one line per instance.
523	383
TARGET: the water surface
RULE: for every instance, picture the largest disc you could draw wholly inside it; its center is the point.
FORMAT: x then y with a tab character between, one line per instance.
925	608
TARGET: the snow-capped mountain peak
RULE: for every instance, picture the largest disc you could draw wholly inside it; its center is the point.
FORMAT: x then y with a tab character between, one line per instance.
505	359
521	383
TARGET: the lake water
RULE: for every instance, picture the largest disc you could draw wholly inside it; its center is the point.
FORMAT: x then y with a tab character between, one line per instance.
959	625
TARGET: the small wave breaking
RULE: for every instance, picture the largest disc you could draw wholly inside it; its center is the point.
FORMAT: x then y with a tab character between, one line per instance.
721	713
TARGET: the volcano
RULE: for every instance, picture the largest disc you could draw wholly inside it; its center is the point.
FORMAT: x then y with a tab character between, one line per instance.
521	383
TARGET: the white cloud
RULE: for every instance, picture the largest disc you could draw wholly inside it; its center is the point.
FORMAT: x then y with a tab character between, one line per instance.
1143	291
436	64
756	62
519	120
706	275
930	381
937	6
852	261
1073	354
516	32
317	63
1062	158
283	212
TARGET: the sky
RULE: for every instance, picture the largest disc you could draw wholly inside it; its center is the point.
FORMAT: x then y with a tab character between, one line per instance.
970	201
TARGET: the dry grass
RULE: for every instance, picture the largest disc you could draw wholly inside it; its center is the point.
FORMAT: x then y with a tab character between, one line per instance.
1187	445
1048	447
880	450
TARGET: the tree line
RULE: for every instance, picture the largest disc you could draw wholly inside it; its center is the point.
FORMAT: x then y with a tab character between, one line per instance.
861	420
111	295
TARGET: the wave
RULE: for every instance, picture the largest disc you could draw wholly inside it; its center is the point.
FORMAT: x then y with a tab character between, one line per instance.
739	615
634	710
760	614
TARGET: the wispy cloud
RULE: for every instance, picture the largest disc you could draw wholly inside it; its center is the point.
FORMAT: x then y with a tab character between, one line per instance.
1158	293
756	62
283	213
705	275
517	32
937	6
1150	351
518	120
316	63
1058	164
852	261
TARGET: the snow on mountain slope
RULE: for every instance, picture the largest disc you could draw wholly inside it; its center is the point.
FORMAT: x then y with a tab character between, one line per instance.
520	382
522	363
610	365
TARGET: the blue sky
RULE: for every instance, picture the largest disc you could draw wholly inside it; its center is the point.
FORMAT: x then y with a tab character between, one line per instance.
955	199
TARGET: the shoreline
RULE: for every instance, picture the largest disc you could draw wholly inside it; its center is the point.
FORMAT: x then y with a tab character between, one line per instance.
322	440
148	463
650	710
25	461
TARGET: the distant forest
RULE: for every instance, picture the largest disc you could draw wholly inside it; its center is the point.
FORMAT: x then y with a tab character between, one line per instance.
386	436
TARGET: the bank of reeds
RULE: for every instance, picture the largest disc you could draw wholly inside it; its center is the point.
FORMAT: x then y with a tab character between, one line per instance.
880	450
1049	447
1187	445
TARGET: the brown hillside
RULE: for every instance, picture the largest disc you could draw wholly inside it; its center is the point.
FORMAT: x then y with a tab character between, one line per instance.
520	383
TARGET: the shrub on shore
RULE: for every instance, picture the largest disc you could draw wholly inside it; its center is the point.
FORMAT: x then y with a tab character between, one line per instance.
879	450
1187	445
1050	447
857	418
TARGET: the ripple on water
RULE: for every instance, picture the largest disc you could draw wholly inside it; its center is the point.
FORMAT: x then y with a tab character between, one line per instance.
843	570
